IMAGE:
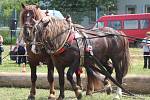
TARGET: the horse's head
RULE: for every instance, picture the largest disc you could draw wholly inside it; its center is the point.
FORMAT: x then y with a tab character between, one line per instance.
39	31
27	14
51	33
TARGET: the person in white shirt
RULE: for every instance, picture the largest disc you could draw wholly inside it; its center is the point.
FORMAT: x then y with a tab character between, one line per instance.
1	48
146	50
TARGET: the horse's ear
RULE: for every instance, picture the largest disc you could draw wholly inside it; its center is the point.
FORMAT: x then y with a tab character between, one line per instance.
34	21
37	6
46	23
68	19
23	6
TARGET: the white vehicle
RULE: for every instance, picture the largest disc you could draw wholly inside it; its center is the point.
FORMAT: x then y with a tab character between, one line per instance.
54	13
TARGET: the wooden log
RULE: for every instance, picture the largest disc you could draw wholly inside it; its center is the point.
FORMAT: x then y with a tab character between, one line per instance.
134	83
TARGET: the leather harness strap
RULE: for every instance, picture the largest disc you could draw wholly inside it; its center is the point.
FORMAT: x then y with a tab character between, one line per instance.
79	38
69	41
82	42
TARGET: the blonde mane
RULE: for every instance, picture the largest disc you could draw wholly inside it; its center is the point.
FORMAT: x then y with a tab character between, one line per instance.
57	30
56	26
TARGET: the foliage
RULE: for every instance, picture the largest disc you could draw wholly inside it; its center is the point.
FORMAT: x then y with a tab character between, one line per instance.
7	37
8	40
81	8
7	6
83	5
4	32
76	8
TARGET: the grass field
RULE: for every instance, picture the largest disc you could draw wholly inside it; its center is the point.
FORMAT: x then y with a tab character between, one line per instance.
11	66
42	94
136	63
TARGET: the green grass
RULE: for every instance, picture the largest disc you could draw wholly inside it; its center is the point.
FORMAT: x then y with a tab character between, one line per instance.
136	62
11	66
136	65
42	94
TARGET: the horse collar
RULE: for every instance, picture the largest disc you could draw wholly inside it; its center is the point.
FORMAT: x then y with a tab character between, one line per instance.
67	44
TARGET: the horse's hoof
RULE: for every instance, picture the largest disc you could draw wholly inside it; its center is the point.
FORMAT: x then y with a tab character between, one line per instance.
52	97
108	90
78	94
31	97
80	87
116	97
88	92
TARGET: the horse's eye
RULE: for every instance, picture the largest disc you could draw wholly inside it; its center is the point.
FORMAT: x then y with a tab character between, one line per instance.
29	13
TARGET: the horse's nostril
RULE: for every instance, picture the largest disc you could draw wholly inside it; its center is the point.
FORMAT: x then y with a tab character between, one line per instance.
27	24
28	33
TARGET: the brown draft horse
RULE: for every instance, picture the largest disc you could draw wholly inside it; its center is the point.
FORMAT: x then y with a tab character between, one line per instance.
52	34
28	12
26	15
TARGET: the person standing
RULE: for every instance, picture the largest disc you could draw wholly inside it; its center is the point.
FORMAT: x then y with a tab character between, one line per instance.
21	45
1	48
146	50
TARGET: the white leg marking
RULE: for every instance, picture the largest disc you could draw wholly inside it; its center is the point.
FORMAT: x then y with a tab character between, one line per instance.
118	93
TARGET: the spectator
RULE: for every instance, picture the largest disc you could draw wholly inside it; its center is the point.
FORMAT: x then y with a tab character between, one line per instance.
21	52
1	48
146	50
13	53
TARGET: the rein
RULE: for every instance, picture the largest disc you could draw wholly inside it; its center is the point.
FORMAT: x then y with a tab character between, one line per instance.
108	34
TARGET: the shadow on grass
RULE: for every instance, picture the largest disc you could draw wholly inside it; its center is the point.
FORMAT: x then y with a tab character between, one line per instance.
66	98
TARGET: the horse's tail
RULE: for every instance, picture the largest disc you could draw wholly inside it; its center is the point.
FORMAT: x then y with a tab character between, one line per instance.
126	57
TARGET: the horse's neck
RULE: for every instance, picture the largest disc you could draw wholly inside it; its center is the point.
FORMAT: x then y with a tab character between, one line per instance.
60	38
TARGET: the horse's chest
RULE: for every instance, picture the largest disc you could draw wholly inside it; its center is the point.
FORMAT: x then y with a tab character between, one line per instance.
67	57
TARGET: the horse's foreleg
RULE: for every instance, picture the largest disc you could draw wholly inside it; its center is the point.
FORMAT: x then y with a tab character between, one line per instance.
50	78
108	87
119	90
93	82
60	70
78	77
107	83
75	87
119	77
33	83
90	85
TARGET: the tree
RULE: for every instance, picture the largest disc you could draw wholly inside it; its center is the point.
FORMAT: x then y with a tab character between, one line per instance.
8	6
82	5
77	8
85	7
